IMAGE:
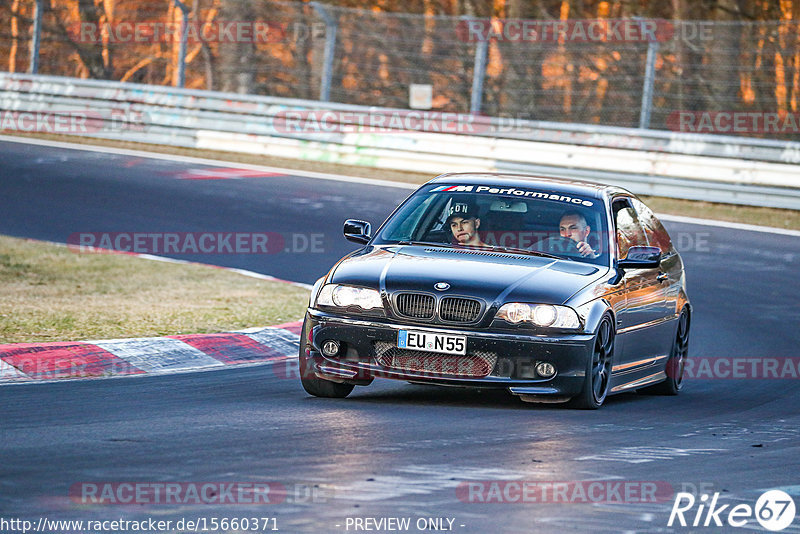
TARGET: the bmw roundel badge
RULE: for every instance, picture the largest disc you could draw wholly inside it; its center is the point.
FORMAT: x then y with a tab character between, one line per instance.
442	286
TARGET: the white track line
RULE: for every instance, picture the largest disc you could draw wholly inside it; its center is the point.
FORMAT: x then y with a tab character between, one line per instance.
204	161
243	272
28	380
339	178
726	224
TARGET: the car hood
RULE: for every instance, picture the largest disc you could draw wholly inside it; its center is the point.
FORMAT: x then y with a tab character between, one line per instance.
491	276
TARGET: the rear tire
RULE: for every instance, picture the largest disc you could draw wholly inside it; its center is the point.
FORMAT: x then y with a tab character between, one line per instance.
676	362
598	369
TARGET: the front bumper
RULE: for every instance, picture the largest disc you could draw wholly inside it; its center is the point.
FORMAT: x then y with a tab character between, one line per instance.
517	354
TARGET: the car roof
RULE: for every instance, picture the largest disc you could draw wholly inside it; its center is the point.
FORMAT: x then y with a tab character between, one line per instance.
553	183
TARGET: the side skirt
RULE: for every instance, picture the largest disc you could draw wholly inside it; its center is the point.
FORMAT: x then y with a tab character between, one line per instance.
640	382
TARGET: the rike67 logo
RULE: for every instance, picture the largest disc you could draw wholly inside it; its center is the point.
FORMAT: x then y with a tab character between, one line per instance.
774	510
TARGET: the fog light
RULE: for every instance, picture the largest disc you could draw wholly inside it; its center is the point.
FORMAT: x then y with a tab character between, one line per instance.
545	370
330	347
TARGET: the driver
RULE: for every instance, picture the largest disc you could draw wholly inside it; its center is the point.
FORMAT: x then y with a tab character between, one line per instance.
463	221
573	226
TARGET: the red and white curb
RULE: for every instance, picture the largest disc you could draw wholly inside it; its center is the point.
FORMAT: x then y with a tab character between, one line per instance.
26	362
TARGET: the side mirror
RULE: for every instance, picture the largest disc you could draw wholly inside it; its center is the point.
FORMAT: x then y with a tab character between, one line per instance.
641	258
357	231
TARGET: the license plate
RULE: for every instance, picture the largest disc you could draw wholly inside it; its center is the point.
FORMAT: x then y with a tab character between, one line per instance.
431	342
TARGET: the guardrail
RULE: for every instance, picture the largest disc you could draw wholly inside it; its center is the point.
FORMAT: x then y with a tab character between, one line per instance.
700	167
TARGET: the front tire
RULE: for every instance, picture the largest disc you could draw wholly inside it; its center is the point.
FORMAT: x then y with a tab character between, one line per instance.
598	369
320	387
314	385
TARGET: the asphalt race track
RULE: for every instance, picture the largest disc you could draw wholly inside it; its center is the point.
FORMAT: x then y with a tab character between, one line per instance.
392	450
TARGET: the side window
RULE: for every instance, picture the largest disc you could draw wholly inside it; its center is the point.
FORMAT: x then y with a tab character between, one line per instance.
629	231
656	233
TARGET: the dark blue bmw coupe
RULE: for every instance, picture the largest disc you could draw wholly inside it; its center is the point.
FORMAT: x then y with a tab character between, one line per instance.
554	289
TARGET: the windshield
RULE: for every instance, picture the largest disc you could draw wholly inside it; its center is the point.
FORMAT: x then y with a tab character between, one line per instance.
513	219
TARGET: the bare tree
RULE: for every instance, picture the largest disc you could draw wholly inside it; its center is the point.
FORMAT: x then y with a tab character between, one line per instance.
12	55
237	61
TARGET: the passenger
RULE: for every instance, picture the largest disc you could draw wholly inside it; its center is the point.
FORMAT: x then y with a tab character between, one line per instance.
573	226
464	223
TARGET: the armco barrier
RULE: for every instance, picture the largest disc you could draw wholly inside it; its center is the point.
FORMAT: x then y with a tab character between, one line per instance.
703	167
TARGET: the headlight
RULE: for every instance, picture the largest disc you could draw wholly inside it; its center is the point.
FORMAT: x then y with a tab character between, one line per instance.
544	315
346	296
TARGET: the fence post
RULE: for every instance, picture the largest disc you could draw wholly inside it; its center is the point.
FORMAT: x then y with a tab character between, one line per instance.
330	48
478	75
649	81
181	81
37	35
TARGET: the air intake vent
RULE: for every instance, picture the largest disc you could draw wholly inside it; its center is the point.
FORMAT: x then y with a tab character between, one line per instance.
459	310
476	364
415	305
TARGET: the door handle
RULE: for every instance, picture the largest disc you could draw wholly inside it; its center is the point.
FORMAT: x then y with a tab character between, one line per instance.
662	277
